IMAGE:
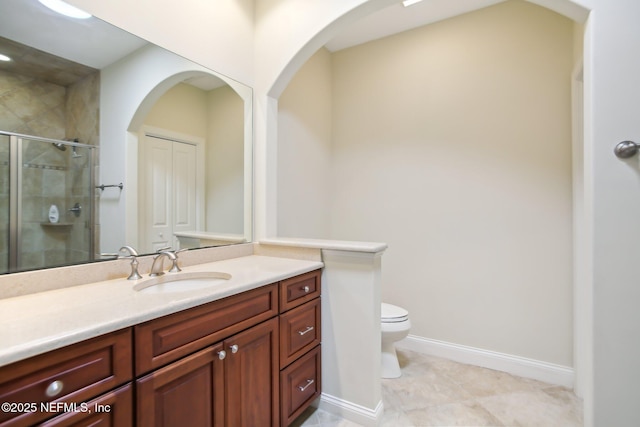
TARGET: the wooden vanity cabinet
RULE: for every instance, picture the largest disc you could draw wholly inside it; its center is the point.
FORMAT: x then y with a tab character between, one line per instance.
65	380
231	382
114	408
300	360
166	339
188	392
248	360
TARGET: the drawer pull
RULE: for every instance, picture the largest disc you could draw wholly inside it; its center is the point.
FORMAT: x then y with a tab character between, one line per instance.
54	389
222	354
309	329
234	348
304	387
306	289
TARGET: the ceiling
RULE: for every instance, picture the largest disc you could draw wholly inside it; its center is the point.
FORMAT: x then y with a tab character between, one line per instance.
94	43
397	18
89	42
62	50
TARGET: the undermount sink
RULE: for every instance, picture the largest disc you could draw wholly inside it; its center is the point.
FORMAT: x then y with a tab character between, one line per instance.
183	281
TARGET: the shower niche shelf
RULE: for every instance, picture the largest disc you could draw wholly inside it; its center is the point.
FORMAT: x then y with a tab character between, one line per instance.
61	226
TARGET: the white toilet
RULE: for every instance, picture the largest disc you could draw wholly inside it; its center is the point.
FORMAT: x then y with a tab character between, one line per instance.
394	326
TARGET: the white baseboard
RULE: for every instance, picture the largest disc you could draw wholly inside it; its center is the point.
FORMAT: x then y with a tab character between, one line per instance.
351	411
516	365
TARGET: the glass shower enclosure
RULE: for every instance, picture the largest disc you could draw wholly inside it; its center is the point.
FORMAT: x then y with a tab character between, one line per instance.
47	202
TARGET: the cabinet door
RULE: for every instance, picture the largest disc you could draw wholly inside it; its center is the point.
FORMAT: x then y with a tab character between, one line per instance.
253	377
189	392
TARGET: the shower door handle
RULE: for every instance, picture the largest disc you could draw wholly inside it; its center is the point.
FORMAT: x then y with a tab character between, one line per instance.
76	209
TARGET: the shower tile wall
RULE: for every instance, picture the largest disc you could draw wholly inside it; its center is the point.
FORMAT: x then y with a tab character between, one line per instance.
82	122
31	106
50	176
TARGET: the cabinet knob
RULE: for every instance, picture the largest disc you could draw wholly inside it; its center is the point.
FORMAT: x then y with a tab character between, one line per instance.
222	354
234	348
306	289
54	389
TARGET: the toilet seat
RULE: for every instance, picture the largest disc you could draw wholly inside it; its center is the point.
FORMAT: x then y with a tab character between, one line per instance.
392	314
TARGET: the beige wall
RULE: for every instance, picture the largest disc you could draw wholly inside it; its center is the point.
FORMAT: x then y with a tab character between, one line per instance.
217	116
452	144
225	162
304	150
182	109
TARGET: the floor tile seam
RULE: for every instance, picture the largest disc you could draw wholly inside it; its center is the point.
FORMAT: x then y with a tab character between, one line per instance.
452	402
400	412
563	408
495	393
470	403
526	388
464	395
464	386
496	416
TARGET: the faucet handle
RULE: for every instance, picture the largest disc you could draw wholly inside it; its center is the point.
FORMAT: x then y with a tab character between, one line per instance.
134	269
174	266
133	256
127	249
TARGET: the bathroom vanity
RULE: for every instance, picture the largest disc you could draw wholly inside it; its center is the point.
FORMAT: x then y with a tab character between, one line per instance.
249	357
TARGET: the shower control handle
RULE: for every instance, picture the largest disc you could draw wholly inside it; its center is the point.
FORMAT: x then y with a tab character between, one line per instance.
76	209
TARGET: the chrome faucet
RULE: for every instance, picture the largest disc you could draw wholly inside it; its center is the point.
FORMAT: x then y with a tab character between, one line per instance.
133	256
158	261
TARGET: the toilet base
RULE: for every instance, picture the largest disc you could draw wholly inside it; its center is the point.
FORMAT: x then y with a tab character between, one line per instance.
390	368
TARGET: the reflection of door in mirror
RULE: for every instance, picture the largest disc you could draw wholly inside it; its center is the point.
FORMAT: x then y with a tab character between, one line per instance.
170	189
208	115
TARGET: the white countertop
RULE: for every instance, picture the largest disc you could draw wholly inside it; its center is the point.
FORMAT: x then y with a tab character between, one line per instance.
37	323
337	245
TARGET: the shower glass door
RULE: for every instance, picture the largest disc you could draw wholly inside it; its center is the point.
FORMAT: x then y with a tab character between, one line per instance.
50	206
55	204
4	203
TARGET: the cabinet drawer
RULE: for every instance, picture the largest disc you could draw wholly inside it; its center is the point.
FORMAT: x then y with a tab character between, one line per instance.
299	331
111	409
164	340
300	384
298	290
72	375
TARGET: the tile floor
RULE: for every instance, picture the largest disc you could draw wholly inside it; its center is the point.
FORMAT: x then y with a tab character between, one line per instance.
439	392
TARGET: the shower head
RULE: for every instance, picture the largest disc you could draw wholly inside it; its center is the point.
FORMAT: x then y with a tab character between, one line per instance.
59	145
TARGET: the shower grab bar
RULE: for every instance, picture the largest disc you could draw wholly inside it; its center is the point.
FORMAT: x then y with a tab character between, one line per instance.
103	186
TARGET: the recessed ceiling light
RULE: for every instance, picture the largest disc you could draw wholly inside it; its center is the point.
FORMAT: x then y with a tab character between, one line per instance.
65	9
4	58
407	3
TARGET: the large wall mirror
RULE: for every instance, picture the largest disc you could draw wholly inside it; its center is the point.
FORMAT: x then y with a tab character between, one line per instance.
107	140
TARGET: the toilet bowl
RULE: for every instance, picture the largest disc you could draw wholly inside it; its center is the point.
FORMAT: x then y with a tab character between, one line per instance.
394	326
